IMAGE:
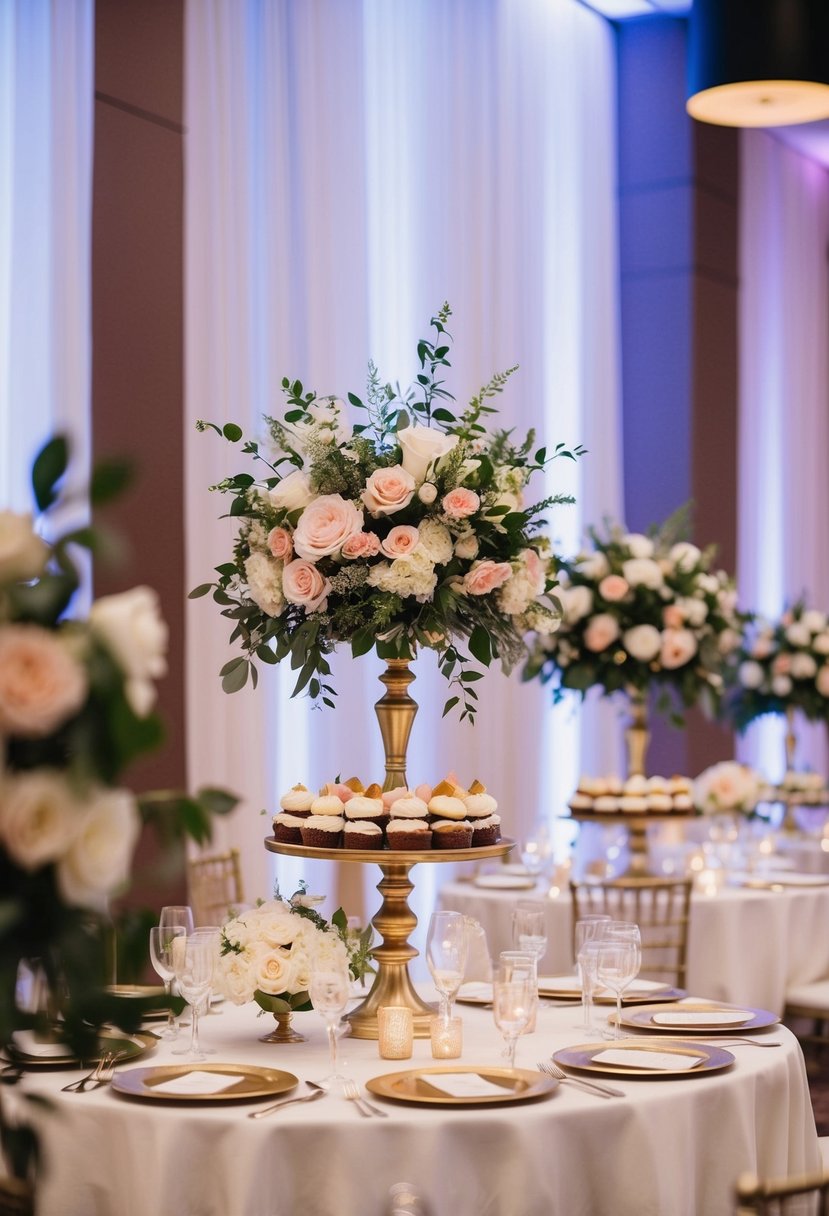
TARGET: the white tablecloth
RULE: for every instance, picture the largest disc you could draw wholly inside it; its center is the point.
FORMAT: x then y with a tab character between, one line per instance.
668	1148
745	946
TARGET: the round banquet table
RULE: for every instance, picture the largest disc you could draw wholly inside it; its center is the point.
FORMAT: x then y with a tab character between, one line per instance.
669	1147
744	945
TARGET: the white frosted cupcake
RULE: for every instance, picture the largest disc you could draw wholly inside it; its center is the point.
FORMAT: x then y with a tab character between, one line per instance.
297	801
452	834
445	806
408	834
322	831
328	804
410	807
636	785
367	810
362	835
486	831
606	803
683	802
633	804
660	802
581	802
480	806
286	828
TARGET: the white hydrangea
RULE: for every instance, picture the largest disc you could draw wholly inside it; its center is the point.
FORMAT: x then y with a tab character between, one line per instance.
541	619
413	575
436	541
257	536
264	578
516	595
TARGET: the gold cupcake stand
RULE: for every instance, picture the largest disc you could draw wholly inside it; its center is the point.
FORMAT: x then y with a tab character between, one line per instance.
637	830
395	922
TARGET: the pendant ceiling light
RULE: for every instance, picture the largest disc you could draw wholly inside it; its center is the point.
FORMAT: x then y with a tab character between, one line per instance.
759	63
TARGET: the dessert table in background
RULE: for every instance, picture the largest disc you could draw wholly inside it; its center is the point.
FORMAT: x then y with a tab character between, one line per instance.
669	1147
744	945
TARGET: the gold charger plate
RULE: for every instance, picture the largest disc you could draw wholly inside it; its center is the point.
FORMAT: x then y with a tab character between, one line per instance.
580	1058
254	1082
641	1018
572	992
127	1046
519	1085
141	992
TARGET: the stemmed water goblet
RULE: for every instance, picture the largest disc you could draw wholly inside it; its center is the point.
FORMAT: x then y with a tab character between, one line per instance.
512	1002
619	958
446	947
176	914
529	927
162	946
330	990
194	960
588	928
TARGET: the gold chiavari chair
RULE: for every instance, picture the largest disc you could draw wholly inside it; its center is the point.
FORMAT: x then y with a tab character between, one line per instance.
804	1196
215	886
659	906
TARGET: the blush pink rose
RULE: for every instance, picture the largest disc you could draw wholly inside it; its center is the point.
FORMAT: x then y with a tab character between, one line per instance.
536	569
601	631
678	648
424	791
486	576
41	684
279	543
460	503
401	541
341	791
303	584
613	588
672	617
761	648
388	490
391	796
325	525
361	544
782	664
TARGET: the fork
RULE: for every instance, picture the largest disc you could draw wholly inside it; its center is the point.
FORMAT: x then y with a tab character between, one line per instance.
317	1091
552	1070
79	1086
363	1105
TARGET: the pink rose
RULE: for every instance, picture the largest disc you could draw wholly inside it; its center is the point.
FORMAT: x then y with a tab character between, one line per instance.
325	525
41	684
303	584
343	792
279	543
486	576
460	503
672	617
782	665
613	588
678	647
424	791
536	569
388	490
391	796
762	648
401	541
601	631
361	544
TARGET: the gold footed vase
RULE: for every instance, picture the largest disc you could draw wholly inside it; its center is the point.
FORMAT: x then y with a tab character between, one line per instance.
637	738
789	824
283	1032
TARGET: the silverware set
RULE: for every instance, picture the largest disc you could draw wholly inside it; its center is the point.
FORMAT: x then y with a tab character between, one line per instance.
317	1091
102	1074
350	1088
366	1108
551	1069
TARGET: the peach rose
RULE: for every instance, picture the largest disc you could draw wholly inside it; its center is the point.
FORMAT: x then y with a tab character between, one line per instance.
303	584
601	631
613	588
486	576
678	647
424	791
388	490
325	525
391	796
401	541
672	617
361	544
279	543
536	569
343	792
460	503
41	684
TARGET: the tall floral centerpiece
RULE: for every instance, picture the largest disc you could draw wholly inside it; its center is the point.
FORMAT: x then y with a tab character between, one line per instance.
407	527
641	613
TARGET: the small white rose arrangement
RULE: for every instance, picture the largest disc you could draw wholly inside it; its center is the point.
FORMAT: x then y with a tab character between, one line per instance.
782	665
406	529
727	787
268	953
641	612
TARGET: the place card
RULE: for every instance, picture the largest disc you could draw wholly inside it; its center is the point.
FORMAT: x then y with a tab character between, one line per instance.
640	1057
196	1082
696	1017
464	1085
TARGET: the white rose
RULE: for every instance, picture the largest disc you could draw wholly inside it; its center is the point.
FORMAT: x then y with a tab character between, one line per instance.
750	674
23	554
422	448
820	644
466	546
643	642
638	545
641	571
709	583
427	493
727	786
813	620
803	666
781	686
678	647
593	566
685	555
798	634
728	641
38	818
275	926
576	603
98	861
694	611
822	681
293	492
275	971
727	599
237	976
131	627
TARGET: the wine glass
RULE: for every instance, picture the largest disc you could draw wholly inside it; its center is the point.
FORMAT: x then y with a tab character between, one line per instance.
176	914
512	1000
529	927
161	957
193	961
446	946
330	990
518	964
618	961
588	928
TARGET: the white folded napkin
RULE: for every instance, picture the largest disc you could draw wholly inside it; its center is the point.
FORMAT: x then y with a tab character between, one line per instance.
716	1017
639	1057
465	1085
196	1082
30	1045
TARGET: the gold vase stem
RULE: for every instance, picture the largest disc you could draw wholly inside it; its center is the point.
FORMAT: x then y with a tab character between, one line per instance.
637	737
396	714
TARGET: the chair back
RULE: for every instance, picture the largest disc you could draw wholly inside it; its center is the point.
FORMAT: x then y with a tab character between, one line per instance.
215	886
804	1196
659	906
17	1198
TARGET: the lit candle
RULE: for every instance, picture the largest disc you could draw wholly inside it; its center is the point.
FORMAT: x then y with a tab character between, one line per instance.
396	1032
447	1038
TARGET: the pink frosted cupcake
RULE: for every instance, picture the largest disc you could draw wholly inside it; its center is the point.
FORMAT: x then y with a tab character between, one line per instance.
408	834
322	831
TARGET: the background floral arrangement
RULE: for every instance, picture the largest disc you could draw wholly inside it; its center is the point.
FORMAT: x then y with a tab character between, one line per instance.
407	529
268	952
727	787
641	612
783	665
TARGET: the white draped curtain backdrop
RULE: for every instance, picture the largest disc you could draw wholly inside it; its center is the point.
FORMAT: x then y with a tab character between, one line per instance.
784	405
349	166
46	103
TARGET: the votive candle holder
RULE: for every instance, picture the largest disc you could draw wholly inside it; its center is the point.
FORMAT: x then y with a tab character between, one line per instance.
395	1025
447	1037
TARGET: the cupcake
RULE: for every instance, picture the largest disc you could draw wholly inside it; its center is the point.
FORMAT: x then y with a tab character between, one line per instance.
633	804
362	835
660	803
637	786
581	802
286	828
408	834
452	834
297	801
606	803
486	831
322	831
410	807
683	802
446	806
327	804
479	804
365	810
